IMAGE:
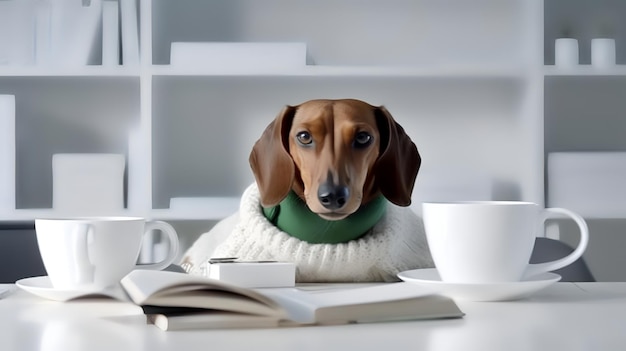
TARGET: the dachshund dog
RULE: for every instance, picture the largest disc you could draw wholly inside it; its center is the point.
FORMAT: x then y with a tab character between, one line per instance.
335	155
350	167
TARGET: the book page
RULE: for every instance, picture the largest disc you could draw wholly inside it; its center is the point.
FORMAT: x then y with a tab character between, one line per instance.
215	299
369	294
147	287
388	301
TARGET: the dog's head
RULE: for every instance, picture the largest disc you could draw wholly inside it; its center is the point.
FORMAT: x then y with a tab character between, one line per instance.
336	155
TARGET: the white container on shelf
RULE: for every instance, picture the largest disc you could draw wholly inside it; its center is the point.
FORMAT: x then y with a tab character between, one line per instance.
198	206
603	52
590	183
566	52
238	55
7	153
88	184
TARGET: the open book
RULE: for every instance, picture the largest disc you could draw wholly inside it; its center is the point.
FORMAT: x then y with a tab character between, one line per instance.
175	301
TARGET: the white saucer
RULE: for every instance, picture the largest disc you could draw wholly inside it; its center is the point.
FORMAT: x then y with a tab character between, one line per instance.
4	291
479	292
41	286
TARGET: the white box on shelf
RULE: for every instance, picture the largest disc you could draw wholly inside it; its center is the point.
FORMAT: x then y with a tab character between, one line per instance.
254	274
219	206
238	55
590	183
88	184
7	153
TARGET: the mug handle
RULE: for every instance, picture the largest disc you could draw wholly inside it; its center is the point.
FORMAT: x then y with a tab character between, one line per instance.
173	244
538	268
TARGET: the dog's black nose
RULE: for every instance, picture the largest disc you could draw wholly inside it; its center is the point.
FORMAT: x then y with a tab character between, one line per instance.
333	197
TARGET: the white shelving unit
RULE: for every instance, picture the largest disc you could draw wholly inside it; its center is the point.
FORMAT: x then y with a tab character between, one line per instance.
584	109
472	82
430	66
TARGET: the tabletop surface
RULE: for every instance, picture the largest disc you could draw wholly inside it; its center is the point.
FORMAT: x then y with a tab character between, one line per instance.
564	316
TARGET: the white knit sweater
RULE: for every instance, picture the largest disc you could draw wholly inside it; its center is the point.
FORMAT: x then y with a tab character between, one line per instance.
396	243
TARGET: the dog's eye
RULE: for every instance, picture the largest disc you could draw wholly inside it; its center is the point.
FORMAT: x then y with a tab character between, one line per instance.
362	139
304	138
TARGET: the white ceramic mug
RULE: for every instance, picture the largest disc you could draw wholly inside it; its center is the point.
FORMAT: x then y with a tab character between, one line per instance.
96	252
491	241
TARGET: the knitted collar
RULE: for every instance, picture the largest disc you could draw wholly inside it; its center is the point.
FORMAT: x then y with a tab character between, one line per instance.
293	217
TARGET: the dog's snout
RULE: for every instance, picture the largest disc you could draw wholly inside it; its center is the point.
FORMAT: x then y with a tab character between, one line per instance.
333	197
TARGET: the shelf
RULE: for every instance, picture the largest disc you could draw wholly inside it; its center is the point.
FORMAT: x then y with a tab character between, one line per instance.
173	215
450	71
157	214
86	71
32	214
584	70
201	208
443	71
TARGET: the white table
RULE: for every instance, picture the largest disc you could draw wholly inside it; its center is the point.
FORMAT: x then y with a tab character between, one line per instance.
565	316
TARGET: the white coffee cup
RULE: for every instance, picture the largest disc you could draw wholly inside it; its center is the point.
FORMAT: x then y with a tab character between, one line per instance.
96	252
491	241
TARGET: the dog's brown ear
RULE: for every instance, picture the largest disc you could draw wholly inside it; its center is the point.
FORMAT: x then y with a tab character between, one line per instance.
398	162
270	161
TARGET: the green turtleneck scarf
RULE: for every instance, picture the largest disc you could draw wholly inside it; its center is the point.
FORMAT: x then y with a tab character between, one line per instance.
294	217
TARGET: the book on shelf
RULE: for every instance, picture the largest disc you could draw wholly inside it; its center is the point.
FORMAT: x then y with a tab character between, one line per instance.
178	301
17	33
7	153
110	33
43	28
69	46
130	32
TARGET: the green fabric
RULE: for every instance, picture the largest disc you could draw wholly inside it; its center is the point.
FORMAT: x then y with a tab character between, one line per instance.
294	217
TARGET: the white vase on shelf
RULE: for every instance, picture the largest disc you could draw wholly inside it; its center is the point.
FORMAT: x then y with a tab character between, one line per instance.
566	52
603	52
